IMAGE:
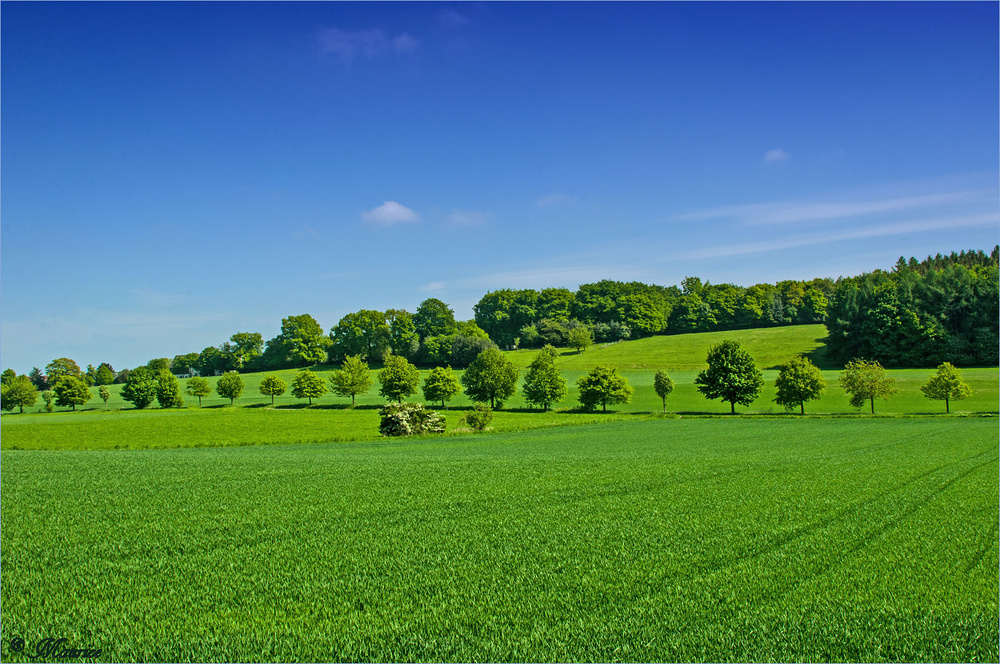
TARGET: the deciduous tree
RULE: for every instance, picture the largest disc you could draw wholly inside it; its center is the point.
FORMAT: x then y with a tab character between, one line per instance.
62	366
353	378
433	317
663	385
197	386
603	385
866	380
732	375
543	384
398	378
18	392
945	385
580	339
168	390
491	377
105	393
307	385
71	391
272	386
799	381
441	385
229	386
140	388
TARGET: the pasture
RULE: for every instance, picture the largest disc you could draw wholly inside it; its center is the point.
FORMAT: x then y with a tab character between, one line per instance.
773	539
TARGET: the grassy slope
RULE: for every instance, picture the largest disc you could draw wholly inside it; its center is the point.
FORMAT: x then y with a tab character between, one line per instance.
722	539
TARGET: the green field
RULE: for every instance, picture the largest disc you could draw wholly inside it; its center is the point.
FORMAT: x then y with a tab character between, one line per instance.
661	540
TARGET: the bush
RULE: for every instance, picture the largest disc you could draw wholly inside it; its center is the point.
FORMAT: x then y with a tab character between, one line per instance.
479	417
408	419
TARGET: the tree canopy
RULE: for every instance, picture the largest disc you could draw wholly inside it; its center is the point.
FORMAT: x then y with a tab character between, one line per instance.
272	386
946	385
732	375
71	391
491	377
307	385
353	378
140	388
229	386
441	385
798	381
866	380
168	390
197	386
603	385
664	385
17	392
543	384
398	378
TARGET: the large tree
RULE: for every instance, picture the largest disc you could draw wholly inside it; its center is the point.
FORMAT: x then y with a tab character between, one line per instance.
543	384
71	391
229	386
398	378
272	386
732	375
18	392
365	333
866	380
243	349
140	388
441	385
403	338
433	317
491	377
798	381
307	385
301	343
603	385
353	378
945	385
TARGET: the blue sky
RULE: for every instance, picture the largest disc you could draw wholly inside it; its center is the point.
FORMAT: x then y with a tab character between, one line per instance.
175	173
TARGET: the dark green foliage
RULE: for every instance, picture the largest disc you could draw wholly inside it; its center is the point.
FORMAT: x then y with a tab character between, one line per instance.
243	350
140	389
17	392
603	385
38	379
168	390
398	378
197	386
301	343
491	377
158	365
272	386
732	375
364	333
353	378
543	384
105	374
503	313
212	360
409	419
580	339
798	381
947	384
182	364
479	417
866	380
441	385
465	349
663	385
71	391
433	318
230	386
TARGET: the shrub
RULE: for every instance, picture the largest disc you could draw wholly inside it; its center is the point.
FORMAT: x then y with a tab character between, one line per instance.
409	419
479	417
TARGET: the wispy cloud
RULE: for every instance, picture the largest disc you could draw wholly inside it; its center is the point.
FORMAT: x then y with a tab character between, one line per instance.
468	218
390	213
351	44
433	287
776	155
449	18
556	199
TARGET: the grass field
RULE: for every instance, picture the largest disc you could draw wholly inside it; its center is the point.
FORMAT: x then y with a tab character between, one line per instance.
727	539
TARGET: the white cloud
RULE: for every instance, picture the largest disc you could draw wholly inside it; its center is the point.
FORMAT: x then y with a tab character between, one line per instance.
468	218
772	156
364	43
556	199
433	287
390	213
450	18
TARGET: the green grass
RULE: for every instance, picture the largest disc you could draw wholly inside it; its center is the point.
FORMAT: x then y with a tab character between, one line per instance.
782	539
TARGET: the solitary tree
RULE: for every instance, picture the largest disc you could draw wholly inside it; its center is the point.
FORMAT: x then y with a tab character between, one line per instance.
441	385
272	386
603	385
229	386
197	386
732	375
491	377
105	393
140	388
945	385
168	390
580	339
307	385
663	385
799	381
866	380
353	378
71	391
543	384
398	378
18	392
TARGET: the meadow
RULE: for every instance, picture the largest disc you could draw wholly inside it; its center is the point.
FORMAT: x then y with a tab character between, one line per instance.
734	539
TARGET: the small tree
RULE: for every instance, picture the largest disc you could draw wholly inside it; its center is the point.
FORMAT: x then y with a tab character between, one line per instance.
105	394
272	386
140	388
479	417
543	384
18	392
732	375
945	385
663	385
229	386
48	395
168	390
799	381
71	391
866	380
308	385
441	385
580	339
603	385
352	379
398	378
197	386
491	377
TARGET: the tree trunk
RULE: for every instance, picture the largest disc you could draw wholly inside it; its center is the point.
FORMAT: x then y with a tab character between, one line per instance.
664	405
802	408
604	406
873	405
272	399
352	399
947	408
732	407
